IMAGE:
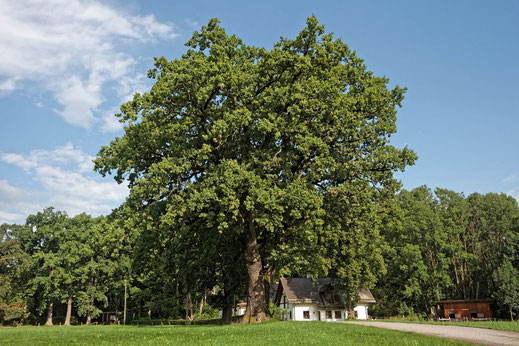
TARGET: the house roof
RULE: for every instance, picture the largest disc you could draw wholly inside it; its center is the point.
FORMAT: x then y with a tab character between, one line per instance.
320	292
365	296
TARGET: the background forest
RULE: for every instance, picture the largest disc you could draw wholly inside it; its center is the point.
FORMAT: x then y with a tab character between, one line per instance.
439	245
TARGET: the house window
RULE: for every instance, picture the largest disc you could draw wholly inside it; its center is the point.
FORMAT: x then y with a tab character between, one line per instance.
329	315
338	315
451	314
356	314
306	315
328	295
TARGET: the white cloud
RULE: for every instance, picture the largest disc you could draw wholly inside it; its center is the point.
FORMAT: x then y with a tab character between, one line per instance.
127	87
193	23
67	154
15	203
17	160
77	193
67	183
111	122
510	179
514	193
511	182
7	85
79	100
73	49
77	185
11	218
10	194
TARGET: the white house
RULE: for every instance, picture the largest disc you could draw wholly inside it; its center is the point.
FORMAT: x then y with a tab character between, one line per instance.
307	300
239	309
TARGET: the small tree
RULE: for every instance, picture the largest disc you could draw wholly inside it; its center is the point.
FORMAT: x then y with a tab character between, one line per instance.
506	279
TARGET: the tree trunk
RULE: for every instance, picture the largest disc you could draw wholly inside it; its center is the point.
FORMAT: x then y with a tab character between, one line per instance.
227	314
456	275
177	301
257	302
93	285
202	303
246	316
268	282
89	318
49	314
22	320
511	315
189	307
69	310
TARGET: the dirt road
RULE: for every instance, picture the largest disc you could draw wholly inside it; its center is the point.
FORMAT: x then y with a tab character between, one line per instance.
475	335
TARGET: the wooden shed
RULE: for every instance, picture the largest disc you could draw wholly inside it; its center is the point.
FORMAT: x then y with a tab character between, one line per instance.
465	310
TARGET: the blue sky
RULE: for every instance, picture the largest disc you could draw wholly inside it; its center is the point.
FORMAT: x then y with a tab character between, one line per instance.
67	65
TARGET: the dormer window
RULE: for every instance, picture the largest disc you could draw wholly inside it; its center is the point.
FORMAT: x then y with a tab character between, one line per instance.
328	295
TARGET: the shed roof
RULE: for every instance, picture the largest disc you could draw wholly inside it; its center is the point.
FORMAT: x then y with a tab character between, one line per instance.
465	301
365	296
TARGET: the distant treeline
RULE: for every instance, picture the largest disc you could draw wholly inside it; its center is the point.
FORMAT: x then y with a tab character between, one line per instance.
435	246
69	270
444	245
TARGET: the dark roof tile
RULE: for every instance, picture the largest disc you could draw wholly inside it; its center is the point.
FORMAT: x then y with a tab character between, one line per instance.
305	290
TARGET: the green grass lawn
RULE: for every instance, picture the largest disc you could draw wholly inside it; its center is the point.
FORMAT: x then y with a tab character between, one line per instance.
498	325
273	333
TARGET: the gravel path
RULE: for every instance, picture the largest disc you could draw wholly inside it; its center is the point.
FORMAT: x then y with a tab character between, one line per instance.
469	334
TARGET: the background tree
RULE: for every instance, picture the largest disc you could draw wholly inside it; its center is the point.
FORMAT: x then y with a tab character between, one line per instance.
448	246
265	136
507	290
453	210
494	219
14	267
41	240
74	252
106	267
157	289
418	265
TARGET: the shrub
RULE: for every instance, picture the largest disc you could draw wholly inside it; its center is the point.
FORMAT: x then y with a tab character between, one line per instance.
276	312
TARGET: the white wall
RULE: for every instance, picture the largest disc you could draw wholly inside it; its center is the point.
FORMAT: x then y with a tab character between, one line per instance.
325	318
362	311
297	312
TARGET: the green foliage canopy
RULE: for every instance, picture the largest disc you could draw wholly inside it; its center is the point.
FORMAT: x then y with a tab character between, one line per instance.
258	144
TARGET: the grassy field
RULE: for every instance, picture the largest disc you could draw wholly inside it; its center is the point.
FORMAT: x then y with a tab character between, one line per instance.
498	325
273	333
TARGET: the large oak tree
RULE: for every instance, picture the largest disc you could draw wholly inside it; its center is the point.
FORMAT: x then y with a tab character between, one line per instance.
275	149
